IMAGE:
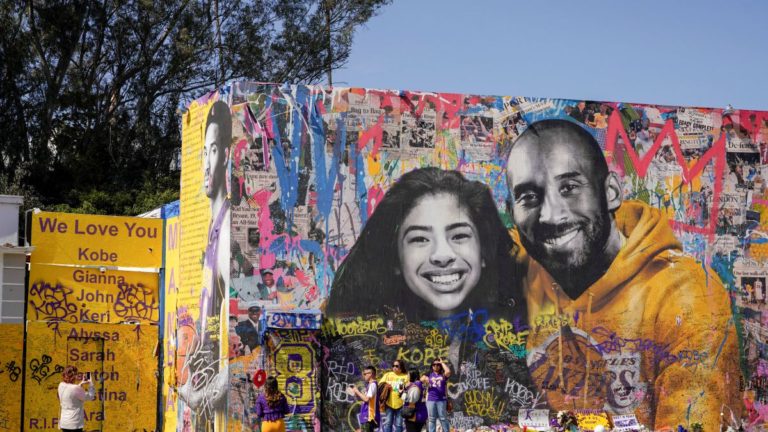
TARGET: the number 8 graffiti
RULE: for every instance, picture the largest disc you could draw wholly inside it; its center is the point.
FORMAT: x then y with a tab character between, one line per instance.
294	365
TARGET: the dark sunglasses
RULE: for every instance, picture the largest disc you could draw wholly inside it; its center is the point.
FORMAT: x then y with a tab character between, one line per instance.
396	366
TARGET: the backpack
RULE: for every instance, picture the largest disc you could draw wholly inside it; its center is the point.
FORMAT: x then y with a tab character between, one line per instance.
409	410
382	393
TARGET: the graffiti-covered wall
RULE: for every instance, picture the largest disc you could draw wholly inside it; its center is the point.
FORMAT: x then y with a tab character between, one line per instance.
520	253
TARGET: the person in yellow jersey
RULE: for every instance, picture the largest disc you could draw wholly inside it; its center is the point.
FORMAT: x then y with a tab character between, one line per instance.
392	421
621	319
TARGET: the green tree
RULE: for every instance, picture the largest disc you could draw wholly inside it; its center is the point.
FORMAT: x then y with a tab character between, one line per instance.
91	92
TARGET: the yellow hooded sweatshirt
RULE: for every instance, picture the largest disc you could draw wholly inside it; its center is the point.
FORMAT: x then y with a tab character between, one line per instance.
653	335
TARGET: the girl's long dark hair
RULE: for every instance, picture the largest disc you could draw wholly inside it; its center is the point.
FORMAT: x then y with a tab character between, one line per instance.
367	280
271	392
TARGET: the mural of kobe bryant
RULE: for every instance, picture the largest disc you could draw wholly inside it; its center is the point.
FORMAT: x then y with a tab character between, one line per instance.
205	389
435	246
612	273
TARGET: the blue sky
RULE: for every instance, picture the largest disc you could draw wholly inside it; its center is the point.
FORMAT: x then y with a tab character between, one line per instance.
695	53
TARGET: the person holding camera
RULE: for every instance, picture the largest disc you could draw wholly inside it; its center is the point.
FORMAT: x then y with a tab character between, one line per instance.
369	415
72	397
396	378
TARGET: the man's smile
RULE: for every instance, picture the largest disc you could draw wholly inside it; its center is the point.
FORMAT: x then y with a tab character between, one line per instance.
563	238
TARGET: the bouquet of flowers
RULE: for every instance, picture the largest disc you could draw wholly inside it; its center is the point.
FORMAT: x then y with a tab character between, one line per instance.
566	421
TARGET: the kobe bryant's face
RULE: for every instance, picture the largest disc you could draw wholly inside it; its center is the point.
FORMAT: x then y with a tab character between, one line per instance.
439	251
558	203
214	160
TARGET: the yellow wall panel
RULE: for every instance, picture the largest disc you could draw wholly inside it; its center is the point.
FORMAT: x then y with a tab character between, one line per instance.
121	360
12	343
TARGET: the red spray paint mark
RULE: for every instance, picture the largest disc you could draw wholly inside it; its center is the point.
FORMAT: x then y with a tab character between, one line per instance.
373	133
259	378
751	121
447	103
716	153
414	103
303	278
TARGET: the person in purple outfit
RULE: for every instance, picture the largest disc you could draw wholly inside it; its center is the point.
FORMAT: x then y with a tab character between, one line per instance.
271	407
369	415
413	396
437	403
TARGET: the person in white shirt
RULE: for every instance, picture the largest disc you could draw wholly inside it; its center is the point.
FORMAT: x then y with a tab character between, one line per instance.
72	397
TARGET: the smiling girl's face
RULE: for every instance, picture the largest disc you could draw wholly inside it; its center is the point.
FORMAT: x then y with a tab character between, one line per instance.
439	251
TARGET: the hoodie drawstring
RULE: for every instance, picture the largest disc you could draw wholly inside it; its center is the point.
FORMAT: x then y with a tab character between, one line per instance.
586	327
587	319
556	288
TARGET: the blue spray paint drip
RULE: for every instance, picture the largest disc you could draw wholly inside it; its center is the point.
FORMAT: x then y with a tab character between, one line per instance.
722	344
498	103
324	180
288	177
723	266
361	193
313	247
278	247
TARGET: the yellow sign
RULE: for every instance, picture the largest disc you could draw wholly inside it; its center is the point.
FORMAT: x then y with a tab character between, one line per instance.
64	238
75	294
589	419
